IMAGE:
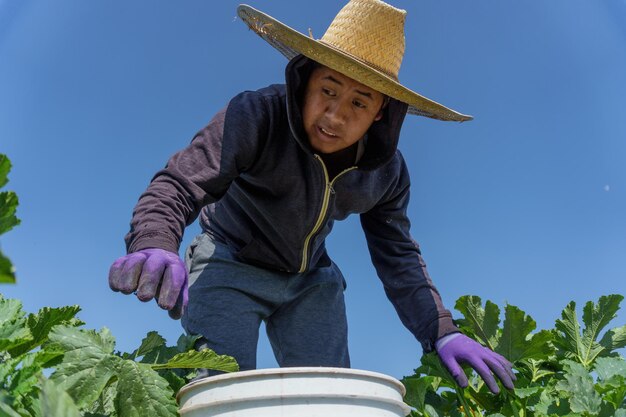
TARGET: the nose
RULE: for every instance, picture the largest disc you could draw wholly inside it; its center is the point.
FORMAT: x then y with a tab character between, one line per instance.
337	112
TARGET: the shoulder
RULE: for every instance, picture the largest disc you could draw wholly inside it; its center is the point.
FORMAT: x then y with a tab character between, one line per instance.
257	106
396	167
396	176
266	96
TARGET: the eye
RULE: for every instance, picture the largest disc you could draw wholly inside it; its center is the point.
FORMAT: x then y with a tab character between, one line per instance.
359	104
328	92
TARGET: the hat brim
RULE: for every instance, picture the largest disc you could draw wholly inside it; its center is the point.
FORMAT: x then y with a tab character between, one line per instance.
290	43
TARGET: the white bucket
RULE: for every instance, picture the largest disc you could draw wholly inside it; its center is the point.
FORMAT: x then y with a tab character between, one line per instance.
294	392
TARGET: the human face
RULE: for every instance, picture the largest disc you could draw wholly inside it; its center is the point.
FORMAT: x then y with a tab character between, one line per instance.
338	110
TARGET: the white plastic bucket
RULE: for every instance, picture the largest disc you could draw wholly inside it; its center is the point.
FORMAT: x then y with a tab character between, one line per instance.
294	392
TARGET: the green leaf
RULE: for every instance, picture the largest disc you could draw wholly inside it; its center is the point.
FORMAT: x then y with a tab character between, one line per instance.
185	342
21	374
26	375
156	352
416	389
538	369
584	347
614	395
5	397
175	382
142	392
205	358
432	366
5	167
551	404
50	355
88	364
479	323
8	207
614	339
567	331
73	339
8	366
480	397
608	368
105	404
104	383
153	350
152	341
596	318
430	411
159	355
579	386
517	343
7	271
7	411
527	392
6	402
41	323
449	406
611	380
55	402
13	328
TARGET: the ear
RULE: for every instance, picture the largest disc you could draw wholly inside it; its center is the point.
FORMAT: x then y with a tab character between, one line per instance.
379	115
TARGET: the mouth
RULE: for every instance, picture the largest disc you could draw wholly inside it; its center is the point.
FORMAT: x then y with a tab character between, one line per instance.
326	132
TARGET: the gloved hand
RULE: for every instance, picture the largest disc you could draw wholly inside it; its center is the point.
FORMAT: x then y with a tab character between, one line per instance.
152	273
456	348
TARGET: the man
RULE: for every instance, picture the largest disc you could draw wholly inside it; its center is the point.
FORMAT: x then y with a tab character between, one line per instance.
269	176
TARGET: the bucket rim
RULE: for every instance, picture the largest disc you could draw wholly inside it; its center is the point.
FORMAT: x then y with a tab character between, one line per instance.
287	371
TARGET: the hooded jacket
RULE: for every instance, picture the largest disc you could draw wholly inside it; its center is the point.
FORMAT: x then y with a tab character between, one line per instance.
261	189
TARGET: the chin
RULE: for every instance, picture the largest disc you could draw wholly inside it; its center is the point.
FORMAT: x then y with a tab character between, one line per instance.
325	149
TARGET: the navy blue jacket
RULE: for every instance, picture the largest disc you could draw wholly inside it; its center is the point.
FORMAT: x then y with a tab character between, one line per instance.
260	188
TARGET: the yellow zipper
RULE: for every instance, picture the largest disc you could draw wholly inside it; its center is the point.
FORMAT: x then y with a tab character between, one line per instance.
328	190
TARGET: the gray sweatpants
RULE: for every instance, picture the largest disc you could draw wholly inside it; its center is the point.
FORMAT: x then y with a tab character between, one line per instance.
304	313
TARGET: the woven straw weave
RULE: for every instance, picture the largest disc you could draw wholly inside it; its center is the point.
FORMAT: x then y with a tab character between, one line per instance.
371	31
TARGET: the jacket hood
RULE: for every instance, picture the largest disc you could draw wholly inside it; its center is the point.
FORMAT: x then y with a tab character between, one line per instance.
381	140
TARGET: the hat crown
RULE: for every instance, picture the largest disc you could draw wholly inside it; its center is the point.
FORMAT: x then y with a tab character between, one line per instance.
371	31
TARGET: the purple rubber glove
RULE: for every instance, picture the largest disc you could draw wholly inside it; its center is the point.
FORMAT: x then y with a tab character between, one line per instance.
152	273
456	349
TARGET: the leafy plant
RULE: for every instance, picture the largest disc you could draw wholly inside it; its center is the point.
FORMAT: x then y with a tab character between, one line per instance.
88	377
8	220
566	371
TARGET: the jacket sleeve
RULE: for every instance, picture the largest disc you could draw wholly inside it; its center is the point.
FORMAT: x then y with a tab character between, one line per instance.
401	268
198	175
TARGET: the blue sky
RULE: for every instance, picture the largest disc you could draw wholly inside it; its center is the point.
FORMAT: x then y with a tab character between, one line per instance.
524	205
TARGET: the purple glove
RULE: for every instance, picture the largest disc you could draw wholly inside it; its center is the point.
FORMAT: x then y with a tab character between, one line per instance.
456	348
152	273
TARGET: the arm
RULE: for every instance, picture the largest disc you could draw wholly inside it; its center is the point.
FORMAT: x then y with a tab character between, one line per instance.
196	176
402	270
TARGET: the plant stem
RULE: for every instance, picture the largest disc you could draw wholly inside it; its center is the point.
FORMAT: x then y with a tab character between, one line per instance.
460	392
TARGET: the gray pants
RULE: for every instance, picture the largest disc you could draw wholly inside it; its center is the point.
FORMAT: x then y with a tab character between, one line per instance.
304	313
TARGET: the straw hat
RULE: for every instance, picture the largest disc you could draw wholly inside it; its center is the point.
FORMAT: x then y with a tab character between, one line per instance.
365	42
